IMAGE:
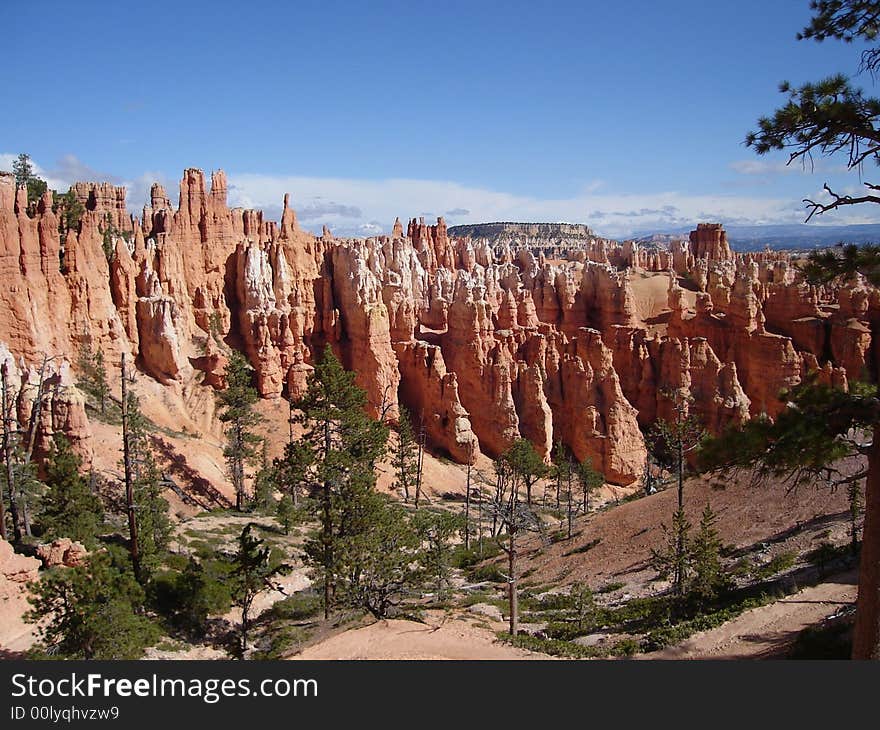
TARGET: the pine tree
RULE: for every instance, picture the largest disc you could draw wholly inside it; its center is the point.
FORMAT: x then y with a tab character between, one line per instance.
93	611
70	212
589	480
149	526
709	577
154	526
252	573
561	471
436	531
237	411
101	387
526	465
831	117
24	176
69	507
671	443
265	482
583	605
406	456
673	559
286	513
335	458
377	561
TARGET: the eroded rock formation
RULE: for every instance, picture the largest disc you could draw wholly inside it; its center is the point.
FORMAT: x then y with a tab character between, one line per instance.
482	341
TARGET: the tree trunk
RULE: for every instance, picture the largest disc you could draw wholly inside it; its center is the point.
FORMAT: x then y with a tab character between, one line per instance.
244	630
571	507
129	485
480	522
7	459
866	637
326	528
467	505
513	598
419	470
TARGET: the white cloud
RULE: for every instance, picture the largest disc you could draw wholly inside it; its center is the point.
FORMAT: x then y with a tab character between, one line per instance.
367	207
609	214
760	167
766	168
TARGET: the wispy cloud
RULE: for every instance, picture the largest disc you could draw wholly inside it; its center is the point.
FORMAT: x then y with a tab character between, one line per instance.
608	213
768	168
357	207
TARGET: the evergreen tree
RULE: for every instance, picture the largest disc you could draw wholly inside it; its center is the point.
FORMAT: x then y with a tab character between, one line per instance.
70	212
252	573
286	513
200	594
100	385
562	470
406	456
377	561
589	480
93	611
526	465
237	412
93	374
670	443
583	605
70	509
673	559
436	531
265	482
831	116
24	176
335	458
709	578
154	527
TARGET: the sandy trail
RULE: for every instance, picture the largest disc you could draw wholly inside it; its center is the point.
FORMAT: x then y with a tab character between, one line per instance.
443	637
766	632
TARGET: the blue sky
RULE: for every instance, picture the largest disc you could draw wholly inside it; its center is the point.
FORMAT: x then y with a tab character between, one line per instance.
627	115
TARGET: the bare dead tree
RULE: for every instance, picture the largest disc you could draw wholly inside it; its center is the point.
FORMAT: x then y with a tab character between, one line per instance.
422	440
467	498
516	517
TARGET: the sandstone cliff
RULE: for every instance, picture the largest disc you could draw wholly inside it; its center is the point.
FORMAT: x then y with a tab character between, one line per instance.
482	342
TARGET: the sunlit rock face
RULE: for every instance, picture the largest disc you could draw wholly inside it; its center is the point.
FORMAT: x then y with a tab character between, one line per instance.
575	338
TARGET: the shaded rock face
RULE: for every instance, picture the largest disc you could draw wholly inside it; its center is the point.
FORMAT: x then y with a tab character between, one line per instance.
482	341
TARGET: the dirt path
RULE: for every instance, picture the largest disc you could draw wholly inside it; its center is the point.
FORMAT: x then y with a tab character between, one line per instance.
765	632
443	637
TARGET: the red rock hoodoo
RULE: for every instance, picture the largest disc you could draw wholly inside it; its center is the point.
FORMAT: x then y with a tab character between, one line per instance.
482	342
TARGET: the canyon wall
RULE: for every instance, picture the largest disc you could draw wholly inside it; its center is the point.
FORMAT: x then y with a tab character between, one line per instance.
482	342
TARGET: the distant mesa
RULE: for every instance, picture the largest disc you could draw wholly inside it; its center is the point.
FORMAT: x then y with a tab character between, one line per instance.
502	231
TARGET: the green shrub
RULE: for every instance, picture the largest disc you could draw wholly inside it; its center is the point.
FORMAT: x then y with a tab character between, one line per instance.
490	572
301	605
465	558
281	641
583	548
778	564
625	647
832	641
553	647
565	630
